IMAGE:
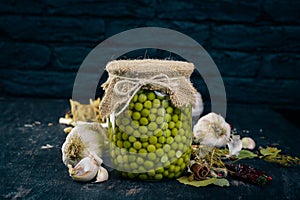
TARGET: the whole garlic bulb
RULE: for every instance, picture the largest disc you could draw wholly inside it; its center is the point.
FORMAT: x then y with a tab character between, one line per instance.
83	140
212	130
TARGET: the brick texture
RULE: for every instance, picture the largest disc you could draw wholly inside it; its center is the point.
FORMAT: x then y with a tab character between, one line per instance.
255	44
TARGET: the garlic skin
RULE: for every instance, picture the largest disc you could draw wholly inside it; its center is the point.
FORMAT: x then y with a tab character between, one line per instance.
212	130
86	170
197	109
234	145
102	175
248	143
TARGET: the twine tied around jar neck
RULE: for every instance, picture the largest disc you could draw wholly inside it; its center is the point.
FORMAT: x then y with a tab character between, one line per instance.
130	86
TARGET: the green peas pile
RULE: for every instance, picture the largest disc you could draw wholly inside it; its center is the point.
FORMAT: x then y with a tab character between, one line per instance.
151	139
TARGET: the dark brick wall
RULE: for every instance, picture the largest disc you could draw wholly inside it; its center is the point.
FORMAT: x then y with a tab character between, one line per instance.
255	44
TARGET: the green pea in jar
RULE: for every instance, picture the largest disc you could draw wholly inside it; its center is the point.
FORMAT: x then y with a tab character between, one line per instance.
150	118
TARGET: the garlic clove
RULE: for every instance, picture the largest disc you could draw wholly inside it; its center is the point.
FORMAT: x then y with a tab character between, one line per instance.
248	143
85	170
102	175
234	145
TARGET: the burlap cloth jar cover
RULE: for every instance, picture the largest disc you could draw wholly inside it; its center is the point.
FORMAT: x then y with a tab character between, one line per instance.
130	152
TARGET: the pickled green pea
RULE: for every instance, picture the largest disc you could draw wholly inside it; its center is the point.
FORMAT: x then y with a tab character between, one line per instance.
159	170
159	152
174	145
143	176
153	140
144	121
159	120
153	110
161	96
126	144
139	160
181	131
165	125
179	161
135	98
175	118
171	154
168	117
158	176
168	133
166	173
171	125
152	126
180	146
132	150
143	152
161	111
166	148
148	164
136	115
178	124
169	110
143	129
131	158
170	140
151	96
172	168
135	124
119	158
147	104
165	103
158	145
151	156
131	139
129	129
145	144
136	134
177	169
125	136
144	138
131	175
156	103
145	112
134	165
158	132
151	148
174	132
152	117
138	106
142	98
183	166
119	143
125	121
151	172
162	139
131	105
137	145
177	111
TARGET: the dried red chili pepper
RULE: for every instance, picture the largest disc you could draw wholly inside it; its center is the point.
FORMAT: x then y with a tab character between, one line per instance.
248	174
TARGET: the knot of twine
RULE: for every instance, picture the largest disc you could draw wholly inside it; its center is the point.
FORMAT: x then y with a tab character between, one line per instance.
128	87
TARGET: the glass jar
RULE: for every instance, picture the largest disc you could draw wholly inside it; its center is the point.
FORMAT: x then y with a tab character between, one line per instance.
151	139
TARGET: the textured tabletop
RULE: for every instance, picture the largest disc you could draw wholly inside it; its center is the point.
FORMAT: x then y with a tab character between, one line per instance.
33	172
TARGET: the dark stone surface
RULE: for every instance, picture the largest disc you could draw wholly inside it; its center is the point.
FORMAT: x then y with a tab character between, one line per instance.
29	172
